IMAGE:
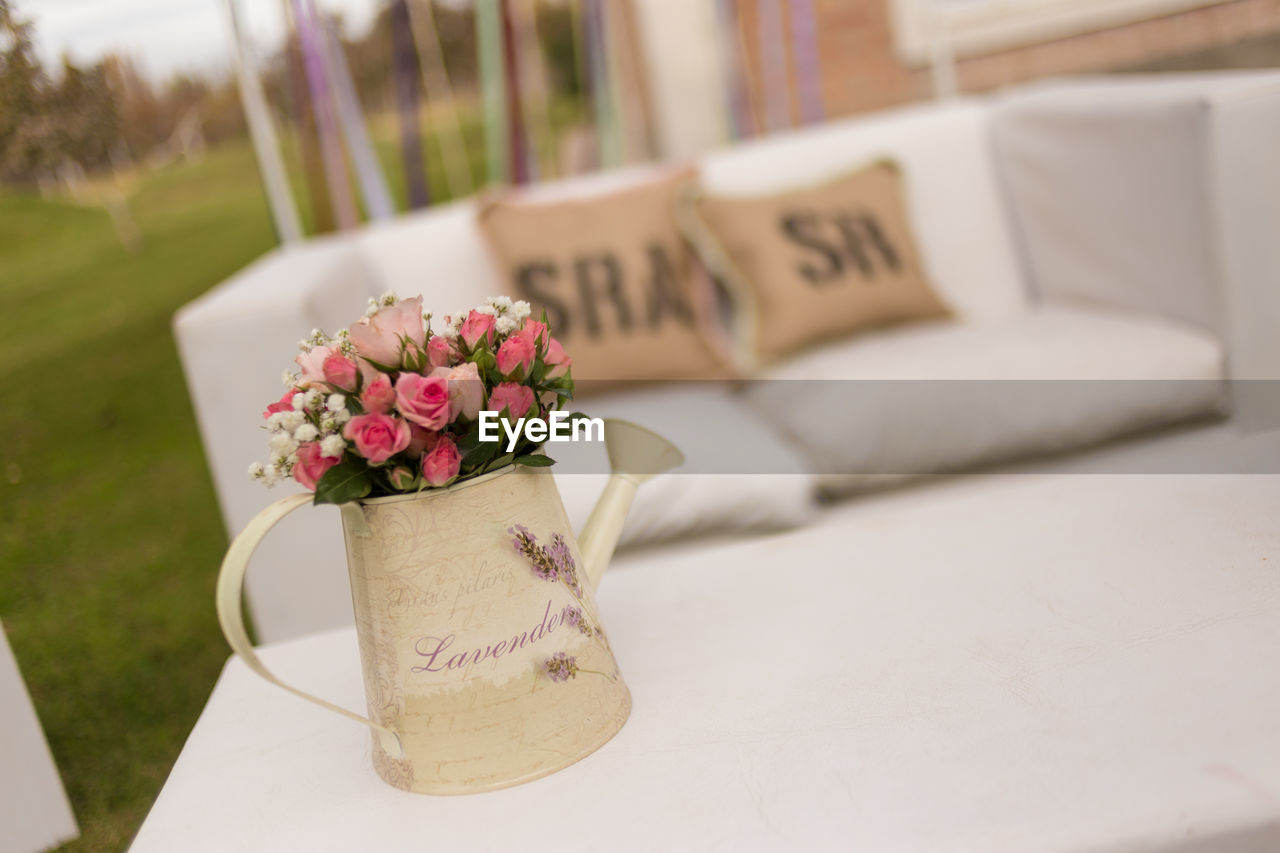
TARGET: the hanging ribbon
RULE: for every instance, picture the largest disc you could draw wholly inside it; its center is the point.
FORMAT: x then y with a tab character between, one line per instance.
262	132
404	68
373	184
536	93
308	137
772	44
742	119
493	87
607	131
629	92
517	144
442	108
806	61
335	167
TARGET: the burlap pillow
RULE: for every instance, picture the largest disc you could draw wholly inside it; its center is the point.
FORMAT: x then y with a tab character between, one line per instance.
815	263
615	276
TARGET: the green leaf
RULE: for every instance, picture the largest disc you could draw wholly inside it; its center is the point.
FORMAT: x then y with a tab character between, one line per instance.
535	461
347	481
501	462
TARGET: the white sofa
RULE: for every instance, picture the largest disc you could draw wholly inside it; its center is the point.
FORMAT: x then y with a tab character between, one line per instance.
1111	229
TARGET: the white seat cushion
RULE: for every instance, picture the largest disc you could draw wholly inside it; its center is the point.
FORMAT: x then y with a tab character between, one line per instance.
715	431
940	397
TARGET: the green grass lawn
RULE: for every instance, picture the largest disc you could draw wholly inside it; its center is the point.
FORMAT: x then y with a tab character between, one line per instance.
110	536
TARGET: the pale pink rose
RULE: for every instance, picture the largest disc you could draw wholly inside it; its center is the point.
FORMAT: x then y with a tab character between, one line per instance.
556	360
442	462
401	478
284	404
423	399
312	364
438	354
517	399
515	356
311	464
340	372
535	330
378	396
382	337
377	437
466	390
475	327
420	440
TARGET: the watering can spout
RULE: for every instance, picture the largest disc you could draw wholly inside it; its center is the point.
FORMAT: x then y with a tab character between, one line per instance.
635	455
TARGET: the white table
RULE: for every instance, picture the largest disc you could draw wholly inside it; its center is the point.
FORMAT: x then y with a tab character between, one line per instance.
1027	663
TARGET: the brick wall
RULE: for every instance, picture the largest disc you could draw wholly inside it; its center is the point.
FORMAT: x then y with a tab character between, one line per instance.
861	70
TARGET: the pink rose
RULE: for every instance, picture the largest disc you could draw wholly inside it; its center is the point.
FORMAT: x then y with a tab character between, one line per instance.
423	399
382	337
466	390
438	354
556	360
312	364
377	437
535	330
515	355
420	440
516	399
441	464
311	464
475	327
340	372
401	478
379	396
284	404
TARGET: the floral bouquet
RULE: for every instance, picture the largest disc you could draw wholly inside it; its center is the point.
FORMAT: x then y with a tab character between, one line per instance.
386	407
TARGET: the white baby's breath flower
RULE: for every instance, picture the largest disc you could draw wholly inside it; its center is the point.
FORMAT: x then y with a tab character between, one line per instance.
335	402
275	421
255	470
327	425
312	398
342	416
270	475
289	421
287	378
501	303
372	308
521	310
306	432
282	444
333	446
299	401
506	324
388	298
487	309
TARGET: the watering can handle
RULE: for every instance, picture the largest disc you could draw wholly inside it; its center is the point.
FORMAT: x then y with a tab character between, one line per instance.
230	586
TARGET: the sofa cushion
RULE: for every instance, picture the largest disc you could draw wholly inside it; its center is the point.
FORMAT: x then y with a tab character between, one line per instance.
815	262
710	425
953	198
945	396
614	276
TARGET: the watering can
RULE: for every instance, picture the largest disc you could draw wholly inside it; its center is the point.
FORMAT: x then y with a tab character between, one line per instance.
484	658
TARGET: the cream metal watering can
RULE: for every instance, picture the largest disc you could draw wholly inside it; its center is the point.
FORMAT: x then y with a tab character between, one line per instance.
485	663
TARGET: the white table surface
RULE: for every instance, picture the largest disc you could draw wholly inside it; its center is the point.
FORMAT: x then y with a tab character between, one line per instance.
1026	663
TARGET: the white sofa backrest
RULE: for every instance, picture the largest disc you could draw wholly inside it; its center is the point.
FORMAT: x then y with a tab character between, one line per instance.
1127	192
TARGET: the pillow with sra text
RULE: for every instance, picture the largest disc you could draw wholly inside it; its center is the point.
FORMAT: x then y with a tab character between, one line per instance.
814	263
617	279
